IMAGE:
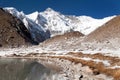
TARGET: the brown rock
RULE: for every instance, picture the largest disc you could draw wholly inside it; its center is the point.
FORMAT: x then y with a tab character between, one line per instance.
13	33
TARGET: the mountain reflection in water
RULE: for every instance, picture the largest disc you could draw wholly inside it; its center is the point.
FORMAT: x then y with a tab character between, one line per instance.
24	69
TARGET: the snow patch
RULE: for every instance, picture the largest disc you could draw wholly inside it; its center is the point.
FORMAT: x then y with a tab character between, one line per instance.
114	67
105	62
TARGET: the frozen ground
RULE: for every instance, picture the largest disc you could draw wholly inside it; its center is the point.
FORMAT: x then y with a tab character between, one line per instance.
37	49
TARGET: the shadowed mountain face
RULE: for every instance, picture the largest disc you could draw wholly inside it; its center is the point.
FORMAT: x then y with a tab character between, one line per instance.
110	30
13	33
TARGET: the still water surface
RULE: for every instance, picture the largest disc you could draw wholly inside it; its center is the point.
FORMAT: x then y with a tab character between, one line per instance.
24	69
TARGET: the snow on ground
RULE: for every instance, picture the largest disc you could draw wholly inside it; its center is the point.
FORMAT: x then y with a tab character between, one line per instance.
27	50
38	49
105	62
113	67
107	52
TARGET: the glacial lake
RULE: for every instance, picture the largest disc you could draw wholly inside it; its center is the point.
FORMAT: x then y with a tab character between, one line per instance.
24	69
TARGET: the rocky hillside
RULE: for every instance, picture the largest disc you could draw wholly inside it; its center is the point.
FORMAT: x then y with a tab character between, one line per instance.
65	36
110	30
63	42
106	36
13	33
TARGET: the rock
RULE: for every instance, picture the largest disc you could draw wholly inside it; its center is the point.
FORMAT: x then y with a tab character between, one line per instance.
13	33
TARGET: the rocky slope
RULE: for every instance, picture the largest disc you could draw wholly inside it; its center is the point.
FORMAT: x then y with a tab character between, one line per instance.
107	35
62	42
37	32
110	30
13	33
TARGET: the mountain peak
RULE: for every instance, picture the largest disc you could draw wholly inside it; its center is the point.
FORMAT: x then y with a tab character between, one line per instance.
33	15
13	11
10	8
49	9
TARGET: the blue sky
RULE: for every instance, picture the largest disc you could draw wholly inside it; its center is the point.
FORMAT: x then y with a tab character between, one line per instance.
93	8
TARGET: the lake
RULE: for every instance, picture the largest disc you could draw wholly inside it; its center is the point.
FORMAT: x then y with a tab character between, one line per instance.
25	69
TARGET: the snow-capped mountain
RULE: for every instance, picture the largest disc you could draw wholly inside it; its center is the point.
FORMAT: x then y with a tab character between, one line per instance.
54	23
59	23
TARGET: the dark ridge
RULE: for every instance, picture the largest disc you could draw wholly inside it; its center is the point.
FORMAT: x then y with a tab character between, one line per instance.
21	29
24	32
13	32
